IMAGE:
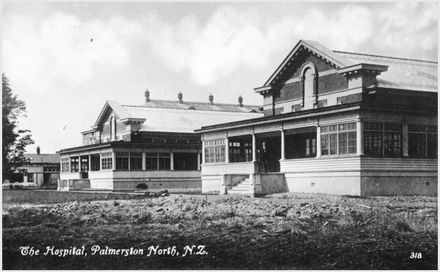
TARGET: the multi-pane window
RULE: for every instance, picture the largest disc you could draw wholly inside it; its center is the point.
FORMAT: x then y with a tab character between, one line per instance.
417	140
215	151
95	161
84	164
383	139
65	165
122	160
300	145
338	139
135	161
164	161
432	141
373	137
392	142
74	164
151	161
329	135
422	141
240	150
158	161
107	160
347	138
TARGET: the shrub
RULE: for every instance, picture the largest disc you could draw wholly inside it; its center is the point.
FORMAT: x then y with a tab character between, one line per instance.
142	186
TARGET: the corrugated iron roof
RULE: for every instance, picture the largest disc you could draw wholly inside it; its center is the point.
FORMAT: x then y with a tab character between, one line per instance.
43	158
409	74
166	104
162	119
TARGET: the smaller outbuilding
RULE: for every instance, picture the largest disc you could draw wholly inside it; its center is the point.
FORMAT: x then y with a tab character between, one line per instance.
41	169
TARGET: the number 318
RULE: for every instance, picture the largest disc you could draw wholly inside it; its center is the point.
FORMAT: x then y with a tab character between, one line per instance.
415	255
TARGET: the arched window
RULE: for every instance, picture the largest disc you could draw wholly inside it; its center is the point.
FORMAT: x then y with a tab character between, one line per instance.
309	78
111	128
114	127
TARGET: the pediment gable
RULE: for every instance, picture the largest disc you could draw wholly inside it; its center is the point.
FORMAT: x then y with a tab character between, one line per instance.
113	107
306	52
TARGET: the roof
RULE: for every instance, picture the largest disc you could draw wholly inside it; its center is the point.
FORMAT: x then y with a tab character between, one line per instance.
166	104
409	74
401	73
184	120
172	116
43	158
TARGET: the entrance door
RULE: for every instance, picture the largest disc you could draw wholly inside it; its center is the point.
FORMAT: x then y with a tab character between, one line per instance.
269	151
84	160
46	178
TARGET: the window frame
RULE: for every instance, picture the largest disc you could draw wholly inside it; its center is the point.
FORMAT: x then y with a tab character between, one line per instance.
331	139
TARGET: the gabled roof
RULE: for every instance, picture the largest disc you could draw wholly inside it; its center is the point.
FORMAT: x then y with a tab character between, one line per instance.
120	111
43	158
312	46
172	116
400	73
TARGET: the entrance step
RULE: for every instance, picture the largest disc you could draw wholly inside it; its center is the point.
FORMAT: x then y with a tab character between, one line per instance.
241	188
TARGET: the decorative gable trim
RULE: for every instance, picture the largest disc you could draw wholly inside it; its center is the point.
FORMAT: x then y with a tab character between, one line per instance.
119	111
312	47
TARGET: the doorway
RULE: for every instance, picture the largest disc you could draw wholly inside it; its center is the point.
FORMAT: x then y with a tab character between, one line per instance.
269	153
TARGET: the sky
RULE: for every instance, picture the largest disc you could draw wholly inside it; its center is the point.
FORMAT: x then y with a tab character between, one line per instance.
66	59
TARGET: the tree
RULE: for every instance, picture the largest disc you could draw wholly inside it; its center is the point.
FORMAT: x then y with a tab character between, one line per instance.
14	141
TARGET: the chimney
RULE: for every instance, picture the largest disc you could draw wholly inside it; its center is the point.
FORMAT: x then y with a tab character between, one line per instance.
38	150
147	96
211	99
240	101
180	97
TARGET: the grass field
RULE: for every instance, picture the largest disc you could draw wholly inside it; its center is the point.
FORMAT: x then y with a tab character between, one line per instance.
285	231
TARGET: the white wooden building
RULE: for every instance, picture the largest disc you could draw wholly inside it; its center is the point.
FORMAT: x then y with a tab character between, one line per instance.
153	144
334	122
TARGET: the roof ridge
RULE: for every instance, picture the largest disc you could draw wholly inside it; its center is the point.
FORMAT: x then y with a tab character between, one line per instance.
382	56
191	102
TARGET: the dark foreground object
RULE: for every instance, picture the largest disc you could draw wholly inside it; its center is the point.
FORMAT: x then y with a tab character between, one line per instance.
287	232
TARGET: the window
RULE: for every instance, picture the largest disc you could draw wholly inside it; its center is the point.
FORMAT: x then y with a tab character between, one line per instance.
422	141
135	161
65	165
240	149
417	140
107	160
95	161
432	141
215	151
329	135
151	161
308	88
74	164
84	164
158	161
300	145
122	160
392	141
164	161
383	139
347	138
111	127
373	137
338	139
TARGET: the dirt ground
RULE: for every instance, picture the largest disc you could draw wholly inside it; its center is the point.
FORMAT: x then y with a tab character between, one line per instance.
284	231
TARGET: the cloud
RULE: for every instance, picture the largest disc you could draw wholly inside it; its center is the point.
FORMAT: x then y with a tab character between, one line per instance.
63	48
236	40
409	29
233	40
